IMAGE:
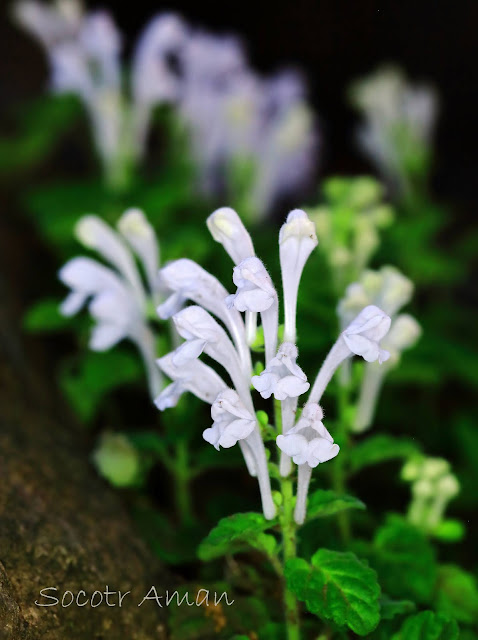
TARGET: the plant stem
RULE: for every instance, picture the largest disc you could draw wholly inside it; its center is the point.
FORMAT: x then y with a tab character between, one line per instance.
289	550
289	542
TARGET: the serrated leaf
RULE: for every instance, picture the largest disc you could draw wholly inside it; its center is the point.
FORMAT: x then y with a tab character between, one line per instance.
457	594
389	608
236	533
45	315
337	586
404	560
380	448
323	503
428	626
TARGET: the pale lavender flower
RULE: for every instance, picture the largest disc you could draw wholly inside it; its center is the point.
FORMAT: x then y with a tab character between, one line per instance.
118	299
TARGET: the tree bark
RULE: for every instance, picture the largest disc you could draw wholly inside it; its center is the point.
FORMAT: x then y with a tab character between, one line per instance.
60	525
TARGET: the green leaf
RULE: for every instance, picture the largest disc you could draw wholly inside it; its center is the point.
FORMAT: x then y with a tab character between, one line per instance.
457	594
391	608
449	530
337	586
44	315
380	448
404	560
236	533
428	626
323	503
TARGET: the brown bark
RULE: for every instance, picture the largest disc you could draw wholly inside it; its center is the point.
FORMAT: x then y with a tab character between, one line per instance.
60	525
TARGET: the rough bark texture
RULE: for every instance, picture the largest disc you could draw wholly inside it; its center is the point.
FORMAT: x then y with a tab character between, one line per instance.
60	525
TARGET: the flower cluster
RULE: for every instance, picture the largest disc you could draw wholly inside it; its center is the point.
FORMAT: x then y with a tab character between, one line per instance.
390	290
399	123
433	486
303	437
117	294
252	136
349	223
84	53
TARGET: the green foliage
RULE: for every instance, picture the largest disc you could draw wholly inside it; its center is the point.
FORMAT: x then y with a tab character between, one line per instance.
45	316
379	448
428	626
236	533
172	543
86	383
323	503
40	127
449	530
404	560
389	608
457	594
337	586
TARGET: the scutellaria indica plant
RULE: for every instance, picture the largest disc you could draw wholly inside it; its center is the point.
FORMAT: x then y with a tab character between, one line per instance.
303	441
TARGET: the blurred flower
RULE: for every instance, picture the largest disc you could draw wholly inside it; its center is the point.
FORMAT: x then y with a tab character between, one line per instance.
399	119
348	225
251	139
233	413
118	297
433	487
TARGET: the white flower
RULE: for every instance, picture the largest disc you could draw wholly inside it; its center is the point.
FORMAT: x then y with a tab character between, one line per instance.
203	334
95	233
282	377
118	297
232	421
140	235
154	79
309	442
297	240
226	227
186	280
197	378
256	293
363	335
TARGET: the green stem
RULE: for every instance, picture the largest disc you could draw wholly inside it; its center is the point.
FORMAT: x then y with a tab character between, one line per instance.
289	550
289	542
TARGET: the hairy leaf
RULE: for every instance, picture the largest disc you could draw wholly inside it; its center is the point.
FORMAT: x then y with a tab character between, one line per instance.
236	533
428	626
339	587
325	503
